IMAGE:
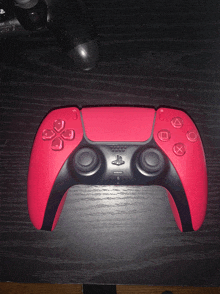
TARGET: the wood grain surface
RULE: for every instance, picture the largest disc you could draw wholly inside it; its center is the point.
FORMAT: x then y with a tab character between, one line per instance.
19	288
152	54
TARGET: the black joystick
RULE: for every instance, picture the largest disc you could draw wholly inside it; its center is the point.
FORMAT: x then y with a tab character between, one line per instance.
86	161
152	161
70	23
75	32
85	55
32	14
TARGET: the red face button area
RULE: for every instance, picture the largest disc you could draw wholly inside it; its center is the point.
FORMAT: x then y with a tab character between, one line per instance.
58	143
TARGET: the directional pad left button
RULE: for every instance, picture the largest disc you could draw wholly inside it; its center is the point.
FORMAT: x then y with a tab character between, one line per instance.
48	134
57	144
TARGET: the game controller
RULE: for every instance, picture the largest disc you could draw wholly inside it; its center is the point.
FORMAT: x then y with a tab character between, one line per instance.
117	146
69	22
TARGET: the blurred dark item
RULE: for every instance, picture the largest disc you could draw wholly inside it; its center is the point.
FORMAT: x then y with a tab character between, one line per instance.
69	22
6	10
32	15
75	32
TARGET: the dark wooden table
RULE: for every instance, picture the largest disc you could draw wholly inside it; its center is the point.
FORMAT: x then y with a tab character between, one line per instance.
156	53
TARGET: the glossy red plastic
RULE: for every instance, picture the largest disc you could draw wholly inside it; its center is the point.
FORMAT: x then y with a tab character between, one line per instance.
189	162
45	163
118	124
63	129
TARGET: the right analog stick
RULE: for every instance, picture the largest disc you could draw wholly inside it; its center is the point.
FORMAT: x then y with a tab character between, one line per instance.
151	161
86	160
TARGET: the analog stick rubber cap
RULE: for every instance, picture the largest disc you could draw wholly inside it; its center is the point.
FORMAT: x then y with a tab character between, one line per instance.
86	160
85	55
152	161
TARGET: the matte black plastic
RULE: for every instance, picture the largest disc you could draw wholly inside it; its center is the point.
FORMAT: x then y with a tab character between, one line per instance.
75	32
34	18
85	55
118	168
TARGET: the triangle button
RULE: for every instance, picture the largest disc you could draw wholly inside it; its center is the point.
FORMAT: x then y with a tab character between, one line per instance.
177	122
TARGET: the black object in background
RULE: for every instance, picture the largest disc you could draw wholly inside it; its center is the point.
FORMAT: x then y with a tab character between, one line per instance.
99	289
32	18
74	29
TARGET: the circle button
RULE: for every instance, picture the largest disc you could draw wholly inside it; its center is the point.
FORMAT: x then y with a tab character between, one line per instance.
192	136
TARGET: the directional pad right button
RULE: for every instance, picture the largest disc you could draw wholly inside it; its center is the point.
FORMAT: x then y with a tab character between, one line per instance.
68	135
179	149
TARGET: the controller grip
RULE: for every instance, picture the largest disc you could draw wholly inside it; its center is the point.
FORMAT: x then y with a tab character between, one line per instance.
175	211
182	213
57	198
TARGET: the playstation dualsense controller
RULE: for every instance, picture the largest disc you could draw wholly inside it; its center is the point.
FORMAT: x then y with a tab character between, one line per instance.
117	146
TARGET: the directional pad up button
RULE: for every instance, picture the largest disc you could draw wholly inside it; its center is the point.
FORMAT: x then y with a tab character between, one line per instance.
59	125
68	135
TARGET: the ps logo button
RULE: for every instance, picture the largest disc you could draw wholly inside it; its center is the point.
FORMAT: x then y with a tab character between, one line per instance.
58	125
57	144
177	122
179	149
164	135
68	135
118	161
48	134
192	136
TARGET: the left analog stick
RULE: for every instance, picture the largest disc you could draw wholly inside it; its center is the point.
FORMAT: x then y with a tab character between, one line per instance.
86	160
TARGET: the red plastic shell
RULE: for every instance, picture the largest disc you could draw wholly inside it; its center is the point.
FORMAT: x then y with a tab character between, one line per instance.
191	166
46	163
118	124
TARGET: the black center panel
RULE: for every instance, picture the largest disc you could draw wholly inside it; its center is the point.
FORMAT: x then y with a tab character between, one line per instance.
118	164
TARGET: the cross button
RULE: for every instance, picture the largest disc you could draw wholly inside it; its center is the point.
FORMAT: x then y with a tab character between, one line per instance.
179	149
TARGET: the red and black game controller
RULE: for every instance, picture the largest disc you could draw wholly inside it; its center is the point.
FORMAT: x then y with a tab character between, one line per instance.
117	146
